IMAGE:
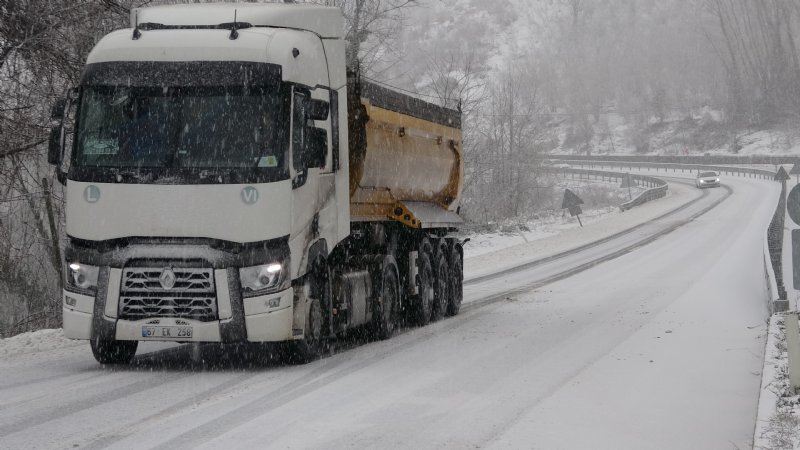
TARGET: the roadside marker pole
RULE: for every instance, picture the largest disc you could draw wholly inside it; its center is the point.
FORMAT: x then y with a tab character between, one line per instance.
793	349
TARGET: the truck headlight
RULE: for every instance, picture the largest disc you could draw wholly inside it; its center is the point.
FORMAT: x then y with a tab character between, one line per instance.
263	279
82	277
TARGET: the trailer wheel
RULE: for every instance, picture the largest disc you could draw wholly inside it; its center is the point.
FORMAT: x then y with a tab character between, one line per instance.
456	284
441	284
113	351
425	298
388	302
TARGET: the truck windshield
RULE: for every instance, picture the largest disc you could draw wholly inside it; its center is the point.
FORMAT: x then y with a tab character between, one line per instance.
180	128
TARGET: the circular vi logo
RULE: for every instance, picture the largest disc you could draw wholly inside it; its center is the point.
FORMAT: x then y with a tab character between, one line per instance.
249	195
91	194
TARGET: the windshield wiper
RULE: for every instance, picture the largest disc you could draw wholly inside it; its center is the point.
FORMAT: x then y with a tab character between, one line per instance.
128	175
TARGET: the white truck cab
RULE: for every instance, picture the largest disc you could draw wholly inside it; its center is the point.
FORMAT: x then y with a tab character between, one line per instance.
192	187
209	190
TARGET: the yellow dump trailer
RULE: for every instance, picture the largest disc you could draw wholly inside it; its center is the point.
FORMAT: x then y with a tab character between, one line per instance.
406	159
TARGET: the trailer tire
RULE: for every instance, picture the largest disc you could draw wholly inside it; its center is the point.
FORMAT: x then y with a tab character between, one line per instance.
423	304
456	283
387	305
441	286
113	351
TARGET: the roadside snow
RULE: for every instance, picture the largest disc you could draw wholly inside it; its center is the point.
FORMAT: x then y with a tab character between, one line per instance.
35	341
493	253
777	424
483	243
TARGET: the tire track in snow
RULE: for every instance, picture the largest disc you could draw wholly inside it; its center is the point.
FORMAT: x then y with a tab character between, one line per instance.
309	383
226	387
48	414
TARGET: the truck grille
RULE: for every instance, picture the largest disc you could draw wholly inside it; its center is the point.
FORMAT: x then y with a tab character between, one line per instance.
192	294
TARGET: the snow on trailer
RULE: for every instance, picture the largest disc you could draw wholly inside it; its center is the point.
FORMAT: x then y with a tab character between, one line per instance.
343	194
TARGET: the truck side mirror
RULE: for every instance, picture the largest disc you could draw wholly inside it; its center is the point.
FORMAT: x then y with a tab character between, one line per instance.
54	148
317	147
59	107
317	109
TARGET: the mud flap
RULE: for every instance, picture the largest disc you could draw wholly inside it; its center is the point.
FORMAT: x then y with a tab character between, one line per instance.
102	328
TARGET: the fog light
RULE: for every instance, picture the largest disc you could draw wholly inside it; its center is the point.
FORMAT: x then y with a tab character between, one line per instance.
70	301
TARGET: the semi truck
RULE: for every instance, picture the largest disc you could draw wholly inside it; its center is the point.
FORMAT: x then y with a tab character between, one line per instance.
229	179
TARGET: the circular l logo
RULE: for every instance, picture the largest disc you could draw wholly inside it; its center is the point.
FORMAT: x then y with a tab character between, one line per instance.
249	195
91	194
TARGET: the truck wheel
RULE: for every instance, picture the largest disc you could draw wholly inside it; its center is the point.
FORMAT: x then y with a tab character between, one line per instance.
456	282
311	346
425	296
388	304
441	285
112	351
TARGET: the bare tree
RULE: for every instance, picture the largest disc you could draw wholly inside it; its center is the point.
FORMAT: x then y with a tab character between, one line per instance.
757	46
371	26
503	166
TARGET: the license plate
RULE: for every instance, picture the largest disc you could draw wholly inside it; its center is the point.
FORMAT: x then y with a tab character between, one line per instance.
167	332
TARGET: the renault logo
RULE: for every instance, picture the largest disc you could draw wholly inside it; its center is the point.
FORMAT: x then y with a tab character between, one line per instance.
167	279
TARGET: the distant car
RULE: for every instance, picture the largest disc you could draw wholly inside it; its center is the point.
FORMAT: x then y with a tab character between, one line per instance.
707	179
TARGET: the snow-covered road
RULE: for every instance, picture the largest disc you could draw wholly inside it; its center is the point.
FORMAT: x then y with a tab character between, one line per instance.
658	348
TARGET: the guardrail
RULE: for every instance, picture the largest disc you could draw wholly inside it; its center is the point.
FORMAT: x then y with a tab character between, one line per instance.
657	188
773	257
773	238
675	167
701	160
646	196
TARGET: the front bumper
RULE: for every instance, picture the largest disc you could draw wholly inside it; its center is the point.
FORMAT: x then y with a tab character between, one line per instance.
267	318
106	313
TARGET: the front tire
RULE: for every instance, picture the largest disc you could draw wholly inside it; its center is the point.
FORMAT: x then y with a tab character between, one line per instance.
319	293
113	351
310	347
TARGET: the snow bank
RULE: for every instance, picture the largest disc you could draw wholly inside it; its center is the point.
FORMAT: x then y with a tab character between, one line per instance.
494	252
35	341
483	243
778	422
